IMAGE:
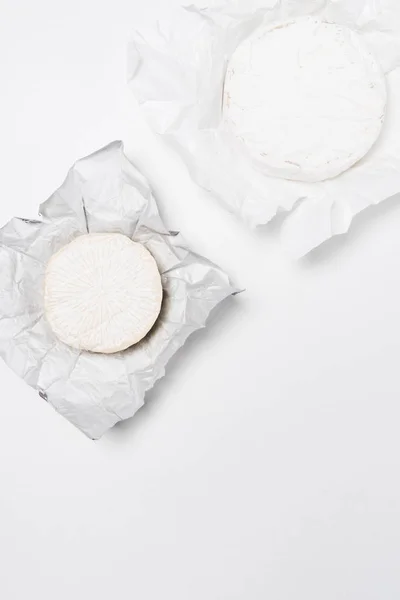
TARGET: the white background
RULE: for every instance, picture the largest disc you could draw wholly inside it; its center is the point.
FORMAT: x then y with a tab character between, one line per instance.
266	464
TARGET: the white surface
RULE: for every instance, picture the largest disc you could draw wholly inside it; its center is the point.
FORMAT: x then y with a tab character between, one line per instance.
305	80
285	489
103	293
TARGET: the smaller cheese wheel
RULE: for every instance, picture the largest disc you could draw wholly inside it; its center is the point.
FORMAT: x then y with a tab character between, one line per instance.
103	293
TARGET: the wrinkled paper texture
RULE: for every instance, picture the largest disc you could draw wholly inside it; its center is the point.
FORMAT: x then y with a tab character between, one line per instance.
102	193
177	69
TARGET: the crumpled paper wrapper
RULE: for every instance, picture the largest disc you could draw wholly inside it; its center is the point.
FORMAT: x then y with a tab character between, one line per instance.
177	69
102	193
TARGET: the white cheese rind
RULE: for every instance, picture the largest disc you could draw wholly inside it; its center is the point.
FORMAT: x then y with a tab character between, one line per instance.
103	293
306	97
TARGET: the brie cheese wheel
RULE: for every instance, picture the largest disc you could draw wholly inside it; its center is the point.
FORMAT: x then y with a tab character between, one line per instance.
103	293
306	97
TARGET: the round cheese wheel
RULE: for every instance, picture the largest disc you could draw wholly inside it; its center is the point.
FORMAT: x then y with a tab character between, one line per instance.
103	293
306	97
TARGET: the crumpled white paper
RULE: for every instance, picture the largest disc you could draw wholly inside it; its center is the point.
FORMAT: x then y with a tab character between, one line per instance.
177	69
102	193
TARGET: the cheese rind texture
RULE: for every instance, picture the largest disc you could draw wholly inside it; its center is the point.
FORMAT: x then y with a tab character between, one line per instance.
103	293
306	97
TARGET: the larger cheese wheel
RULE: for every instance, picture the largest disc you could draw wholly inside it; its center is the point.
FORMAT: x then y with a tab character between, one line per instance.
103	293
306	97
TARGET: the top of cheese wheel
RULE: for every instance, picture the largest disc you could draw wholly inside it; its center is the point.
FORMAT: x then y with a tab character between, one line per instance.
103	293
306	97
